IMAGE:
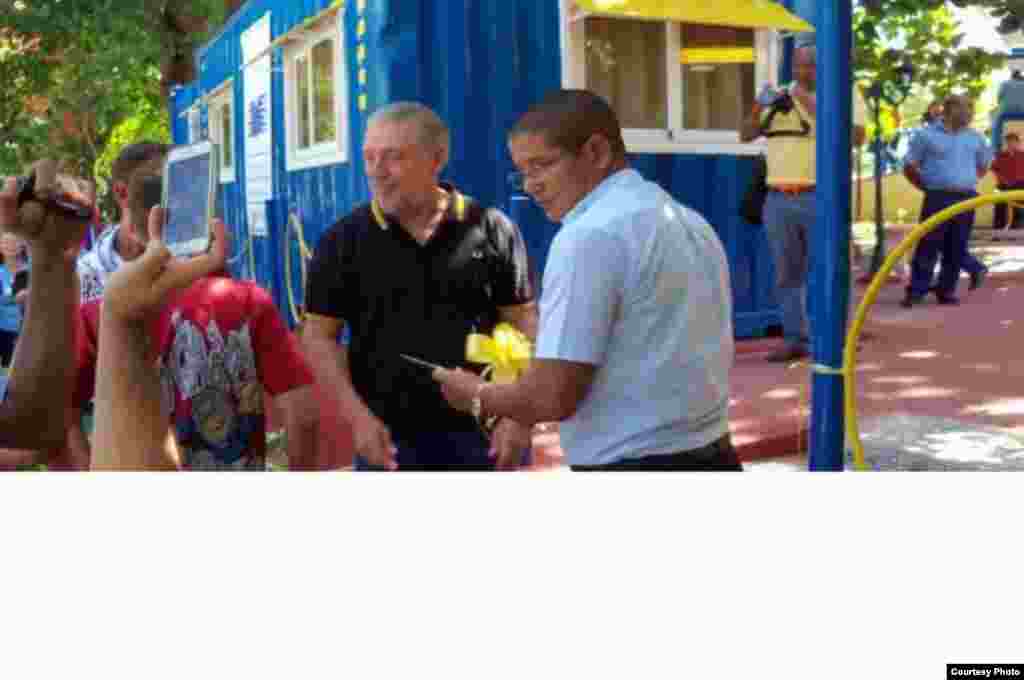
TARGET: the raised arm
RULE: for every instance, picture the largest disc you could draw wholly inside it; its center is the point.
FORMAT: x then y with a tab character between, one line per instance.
751	128
131	427
32	414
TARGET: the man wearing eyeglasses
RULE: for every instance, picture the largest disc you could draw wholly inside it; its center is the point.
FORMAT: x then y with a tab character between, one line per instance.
635	342
413	273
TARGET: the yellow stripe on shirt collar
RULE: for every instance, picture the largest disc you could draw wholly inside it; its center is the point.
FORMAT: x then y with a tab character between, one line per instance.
378	215
459	203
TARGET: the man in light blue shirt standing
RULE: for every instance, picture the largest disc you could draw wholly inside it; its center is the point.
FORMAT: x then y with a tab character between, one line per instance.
945	161
635	341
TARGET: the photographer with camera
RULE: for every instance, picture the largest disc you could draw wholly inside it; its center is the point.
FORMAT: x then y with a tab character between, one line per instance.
40	374
787	119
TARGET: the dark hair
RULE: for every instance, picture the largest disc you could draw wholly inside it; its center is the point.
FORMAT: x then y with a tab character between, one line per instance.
568	118
144	185
134	155
1016	74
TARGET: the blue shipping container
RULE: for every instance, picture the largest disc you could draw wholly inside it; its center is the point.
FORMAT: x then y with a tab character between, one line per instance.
480	64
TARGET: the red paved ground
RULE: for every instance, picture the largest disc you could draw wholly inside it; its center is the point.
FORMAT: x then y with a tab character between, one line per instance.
963	362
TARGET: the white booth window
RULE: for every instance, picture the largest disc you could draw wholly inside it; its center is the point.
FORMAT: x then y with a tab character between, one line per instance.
316	91
195	127
222	130
676	87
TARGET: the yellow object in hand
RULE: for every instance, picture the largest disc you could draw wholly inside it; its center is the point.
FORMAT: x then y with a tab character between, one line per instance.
506	352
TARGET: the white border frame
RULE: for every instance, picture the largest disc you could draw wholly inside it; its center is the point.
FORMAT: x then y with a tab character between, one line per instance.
329	153
224	94
673	139
194	123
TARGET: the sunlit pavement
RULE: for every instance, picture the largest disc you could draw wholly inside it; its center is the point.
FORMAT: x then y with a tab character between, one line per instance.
950	379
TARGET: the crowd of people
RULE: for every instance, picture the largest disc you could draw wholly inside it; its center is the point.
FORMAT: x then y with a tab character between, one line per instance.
175	359
178	357
945	159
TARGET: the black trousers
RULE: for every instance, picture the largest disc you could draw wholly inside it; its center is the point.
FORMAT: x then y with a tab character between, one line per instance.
1001	210
718	456
7	341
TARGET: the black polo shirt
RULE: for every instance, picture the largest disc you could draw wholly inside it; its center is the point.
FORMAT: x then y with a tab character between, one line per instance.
400	297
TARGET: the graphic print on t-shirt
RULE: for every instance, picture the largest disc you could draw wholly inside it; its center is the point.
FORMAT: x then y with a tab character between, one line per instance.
212	391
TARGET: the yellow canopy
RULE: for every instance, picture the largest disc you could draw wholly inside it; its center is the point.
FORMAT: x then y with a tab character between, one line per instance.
743	13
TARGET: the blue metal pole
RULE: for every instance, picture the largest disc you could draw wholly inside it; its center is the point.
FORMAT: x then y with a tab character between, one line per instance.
830	239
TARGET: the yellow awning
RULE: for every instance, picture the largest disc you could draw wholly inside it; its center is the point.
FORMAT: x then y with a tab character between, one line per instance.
742	13
716	55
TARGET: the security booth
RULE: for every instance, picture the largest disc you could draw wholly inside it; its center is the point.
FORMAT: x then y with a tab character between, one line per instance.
287	86
1006	119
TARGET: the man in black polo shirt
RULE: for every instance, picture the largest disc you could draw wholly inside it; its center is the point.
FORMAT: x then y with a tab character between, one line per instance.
414	272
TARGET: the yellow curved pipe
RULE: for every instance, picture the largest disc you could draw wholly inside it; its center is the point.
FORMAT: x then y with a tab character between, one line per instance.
305	254
850	350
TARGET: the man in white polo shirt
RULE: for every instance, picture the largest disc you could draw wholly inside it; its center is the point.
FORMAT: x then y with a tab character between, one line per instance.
635	339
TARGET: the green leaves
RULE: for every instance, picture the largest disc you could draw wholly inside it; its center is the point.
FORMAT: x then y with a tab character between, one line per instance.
924	33
1009	12
93	65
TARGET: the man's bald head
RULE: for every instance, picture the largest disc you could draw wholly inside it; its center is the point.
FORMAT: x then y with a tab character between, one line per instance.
957	111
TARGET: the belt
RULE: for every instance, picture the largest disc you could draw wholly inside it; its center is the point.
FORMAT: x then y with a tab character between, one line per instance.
792	189
958	192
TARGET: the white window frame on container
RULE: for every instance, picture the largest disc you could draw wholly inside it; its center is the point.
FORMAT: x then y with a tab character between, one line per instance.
220	99
672	138
194	120
316	153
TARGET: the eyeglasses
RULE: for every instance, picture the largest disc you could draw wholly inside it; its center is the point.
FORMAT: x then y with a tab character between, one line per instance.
541	167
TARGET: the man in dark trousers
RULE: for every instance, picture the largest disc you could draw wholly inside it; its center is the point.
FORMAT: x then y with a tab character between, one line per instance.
414	272
945	162
636	340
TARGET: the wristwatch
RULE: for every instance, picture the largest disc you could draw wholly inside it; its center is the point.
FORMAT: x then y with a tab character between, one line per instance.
476	406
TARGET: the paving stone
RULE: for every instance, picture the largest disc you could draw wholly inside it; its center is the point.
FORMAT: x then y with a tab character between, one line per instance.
908	442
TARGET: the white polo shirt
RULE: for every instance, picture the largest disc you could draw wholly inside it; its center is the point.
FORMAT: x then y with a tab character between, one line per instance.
638	286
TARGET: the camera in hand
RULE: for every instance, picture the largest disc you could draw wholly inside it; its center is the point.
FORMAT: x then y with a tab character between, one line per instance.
26	187
783	103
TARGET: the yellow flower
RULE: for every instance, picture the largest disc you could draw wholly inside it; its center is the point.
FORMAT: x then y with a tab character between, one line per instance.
506	352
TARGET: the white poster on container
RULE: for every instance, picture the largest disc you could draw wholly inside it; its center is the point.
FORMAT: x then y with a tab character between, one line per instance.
259	177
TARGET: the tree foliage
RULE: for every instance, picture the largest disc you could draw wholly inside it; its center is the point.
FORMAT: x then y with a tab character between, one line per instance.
925	35
90	66
1008	13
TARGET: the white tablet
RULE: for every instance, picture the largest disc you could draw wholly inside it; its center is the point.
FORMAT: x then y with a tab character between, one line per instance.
189	197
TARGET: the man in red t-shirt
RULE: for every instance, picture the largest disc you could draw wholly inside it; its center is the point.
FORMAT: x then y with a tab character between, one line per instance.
1008	167
220	344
